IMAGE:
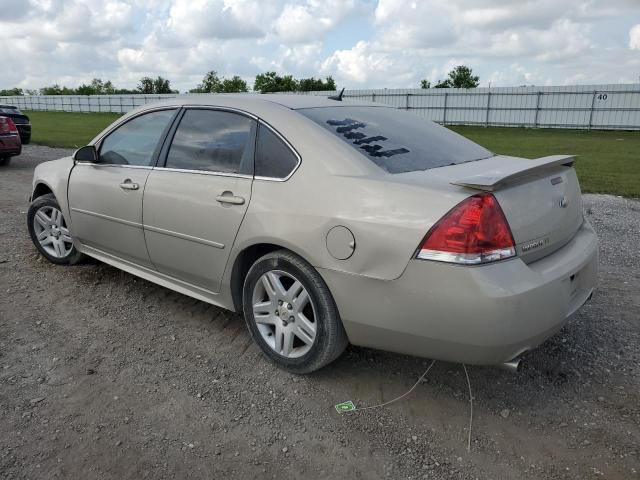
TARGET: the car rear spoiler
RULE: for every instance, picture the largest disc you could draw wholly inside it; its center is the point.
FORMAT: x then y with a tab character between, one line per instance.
494	179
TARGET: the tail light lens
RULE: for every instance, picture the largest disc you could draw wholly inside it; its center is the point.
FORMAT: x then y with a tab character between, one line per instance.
7	126
475	231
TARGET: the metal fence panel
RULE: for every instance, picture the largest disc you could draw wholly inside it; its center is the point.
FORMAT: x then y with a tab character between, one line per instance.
583	106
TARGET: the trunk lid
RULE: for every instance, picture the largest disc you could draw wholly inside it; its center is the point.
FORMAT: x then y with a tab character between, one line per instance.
540	198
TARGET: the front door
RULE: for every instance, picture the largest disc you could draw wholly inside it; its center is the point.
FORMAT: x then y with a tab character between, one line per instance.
105	198
194	205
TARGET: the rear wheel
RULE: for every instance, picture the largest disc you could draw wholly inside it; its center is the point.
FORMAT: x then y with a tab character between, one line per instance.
291	313
4	161
49	231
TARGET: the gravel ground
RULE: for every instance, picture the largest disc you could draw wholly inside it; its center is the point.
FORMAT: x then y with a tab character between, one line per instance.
104	375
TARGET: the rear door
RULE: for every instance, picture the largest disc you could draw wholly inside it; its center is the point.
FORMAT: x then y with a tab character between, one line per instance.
105	198
195	202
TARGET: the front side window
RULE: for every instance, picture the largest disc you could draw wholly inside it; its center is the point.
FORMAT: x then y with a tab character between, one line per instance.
135	142
274	159
213	140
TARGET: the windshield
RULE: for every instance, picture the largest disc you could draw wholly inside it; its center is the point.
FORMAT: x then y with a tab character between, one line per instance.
396	141
10	110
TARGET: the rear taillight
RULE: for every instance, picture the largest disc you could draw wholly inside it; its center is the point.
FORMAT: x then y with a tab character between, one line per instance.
7	126
475	231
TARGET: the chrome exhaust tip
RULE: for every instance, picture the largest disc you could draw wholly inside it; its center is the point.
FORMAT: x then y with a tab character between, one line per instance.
513	366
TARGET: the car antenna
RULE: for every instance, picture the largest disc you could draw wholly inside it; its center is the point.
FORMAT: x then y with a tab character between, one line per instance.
337	97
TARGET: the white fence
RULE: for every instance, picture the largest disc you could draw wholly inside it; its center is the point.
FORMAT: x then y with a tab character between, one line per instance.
585	107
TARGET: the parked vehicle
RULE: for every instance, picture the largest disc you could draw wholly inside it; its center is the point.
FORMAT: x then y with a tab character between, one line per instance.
325	223
20	119
10	145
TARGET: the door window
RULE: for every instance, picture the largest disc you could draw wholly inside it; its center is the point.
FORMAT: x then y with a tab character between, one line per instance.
214	141
274	159
135	142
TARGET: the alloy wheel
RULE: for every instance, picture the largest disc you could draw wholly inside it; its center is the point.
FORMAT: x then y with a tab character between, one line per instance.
51	232
284	314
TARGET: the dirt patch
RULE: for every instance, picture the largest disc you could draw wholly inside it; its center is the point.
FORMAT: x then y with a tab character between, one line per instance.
104	375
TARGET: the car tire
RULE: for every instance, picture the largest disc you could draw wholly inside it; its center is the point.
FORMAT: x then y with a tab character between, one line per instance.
4	161
49	232
329	337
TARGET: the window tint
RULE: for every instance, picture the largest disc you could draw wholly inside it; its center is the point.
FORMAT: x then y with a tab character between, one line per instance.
134	142
274	159
394	140
213	140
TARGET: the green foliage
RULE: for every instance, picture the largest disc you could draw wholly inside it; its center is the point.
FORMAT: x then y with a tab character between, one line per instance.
158	85
270	82
312	84
96	87
460	77
211	83
425	84
12	92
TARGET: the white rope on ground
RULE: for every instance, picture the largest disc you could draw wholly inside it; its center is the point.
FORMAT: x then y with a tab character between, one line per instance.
470	407
403	395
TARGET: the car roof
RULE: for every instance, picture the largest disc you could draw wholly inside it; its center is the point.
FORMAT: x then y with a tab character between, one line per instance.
247	100
8	106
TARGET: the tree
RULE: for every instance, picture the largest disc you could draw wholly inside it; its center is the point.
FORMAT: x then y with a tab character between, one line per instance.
57	90
312	84
460	77
211	83
145	85
425	84
159	85
234	84
271	82
13	92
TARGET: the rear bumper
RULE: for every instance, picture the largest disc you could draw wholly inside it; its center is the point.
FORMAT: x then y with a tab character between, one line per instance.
24	129
477	315
10	145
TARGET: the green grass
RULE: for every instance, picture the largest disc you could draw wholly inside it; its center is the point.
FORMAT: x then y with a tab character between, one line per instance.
70	130
608	161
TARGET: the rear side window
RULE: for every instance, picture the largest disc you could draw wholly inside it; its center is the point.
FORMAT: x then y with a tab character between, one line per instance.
213	140
274	159
135	142
396	141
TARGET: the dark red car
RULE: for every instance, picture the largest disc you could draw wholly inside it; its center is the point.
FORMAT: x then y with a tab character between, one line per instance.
10	143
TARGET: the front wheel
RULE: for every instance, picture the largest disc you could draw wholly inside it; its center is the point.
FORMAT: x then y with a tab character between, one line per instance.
291	314
49	231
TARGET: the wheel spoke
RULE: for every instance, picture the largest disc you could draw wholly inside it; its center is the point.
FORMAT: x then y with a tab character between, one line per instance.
42	235
293	291
287	346
65	237
42	219
303	335
279	338
301	300
306	326
47	240
58	246
274	280
264	307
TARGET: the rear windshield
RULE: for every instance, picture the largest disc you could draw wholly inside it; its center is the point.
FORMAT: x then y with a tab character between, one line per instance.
396	141
10	110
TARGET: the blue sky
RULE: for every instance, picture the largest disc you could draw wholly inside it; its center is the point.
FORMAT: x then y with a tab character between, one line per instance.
361	43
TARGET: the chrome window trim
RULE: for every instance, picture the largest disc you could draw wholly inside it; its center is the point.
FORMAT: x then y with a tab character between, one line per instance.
288	145
111	165
215	107
204	172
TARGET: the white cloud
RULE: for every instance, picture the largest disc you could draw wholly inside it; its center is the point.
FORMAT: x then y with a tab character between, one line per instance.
362	43
634	38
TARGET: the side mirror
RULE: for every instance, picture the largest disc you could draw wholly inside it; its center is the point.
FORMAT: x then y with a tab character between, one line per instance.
86	154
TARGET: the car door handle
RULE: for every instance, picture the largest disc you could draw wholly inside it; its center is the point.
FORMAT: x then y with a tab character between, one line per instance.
129	185
230	198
